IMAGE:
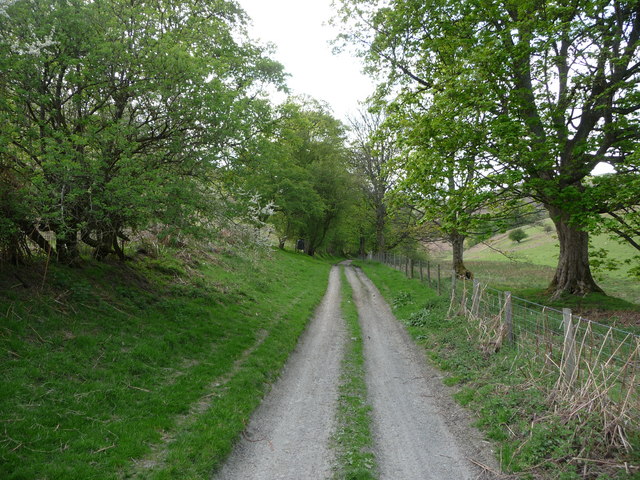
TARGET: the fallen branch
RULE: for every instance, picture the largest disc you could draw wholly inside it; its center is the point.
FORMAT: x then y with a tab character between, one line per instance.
104	448
138	388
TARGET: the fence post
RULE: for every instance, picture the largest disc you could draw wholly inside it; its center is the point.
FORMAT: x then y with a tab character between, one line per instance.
463	297
439	289
569	350
508	317
411	268
429	272
420	266
453	287
452	299
475	303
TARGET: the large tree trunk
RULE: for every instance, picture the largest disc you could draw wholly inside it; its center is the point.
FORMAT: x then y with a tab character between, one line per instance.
457	242
573	273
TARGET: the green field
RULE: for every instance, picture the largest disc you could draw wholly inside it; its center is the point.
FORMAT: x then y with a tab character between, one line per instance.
531	264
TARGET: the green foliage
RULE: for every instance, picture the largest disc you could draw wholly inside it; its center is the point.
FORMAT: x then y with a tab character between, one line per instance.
528	96
517	235
110	118
301	169
401	299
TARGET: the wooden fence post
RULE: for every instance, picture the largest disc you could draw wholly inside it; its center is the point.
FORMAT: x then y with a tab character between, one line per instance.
508	316
429	272
411	268
453	287
420	266
463	297
439	288
569	350
475	303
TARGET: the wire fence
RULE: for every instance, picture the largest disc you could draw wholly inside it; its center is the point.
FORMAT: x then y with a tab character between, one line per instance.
595	368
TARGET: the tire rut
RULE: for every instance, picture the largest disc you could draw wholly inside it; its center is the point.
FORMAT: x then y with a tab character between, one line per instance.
420	433
288	435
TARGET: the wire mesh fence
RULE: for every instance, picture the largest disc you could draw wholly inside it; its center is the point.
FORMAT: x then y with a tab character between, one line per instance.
595	367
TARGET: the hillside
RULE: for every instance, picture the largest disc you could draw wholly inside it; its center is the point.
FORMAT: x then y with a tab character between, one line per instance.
531	263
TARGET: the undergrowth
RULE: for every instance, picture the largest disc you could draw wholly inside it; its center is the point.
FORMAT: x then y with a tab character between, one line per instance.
507	392
148	369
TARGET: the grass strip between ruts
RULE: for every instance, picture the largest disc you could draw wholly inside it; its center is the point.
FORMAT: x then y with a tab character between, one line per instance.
353	439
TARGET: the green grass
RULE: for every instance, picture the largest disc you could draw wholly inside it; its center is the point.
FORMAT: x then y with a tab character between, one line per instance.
353	439
531	263
506	392
148	370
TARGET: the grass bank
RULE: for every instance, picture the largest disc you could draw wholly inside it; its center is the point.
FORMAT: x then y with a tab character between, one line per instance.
353	439
144	370
508	394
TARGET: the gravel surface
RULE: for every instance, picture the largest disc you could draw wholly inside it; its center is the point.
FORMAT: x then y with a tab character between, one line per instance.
288	435
420	433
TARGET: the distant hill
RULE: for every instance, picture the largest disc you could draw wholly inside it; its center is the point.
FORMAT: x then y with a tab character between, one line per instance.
541	248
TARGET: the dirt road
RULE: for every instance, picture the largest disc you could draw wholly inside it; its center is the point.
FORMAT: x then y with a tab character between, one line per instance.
420	433
288	436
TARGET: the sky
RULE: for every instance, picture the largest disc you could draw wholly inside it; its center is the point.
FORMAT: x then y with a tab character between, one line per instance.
301	34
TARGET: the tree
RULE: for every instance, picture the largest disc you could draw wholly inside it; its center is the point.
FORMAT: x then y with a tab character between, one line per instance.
438	171
557	83
517	235
302	169
372	150
116	114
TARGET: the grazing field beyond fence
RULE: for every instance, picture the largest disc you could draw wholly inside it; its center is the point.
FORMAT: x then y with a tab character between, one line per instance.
595	368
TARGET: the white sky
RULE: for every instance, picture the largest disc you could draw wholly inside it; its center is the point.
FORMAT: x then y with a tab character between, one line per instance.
300	32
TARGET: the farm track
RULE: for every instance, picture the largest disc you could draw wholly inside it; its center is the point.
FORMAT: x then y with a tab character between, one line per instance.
419	432
288	436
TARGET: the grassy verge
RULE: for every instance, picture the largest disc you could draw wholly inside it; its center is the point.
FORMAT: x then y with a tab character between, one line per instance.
149	370
353	439
507	393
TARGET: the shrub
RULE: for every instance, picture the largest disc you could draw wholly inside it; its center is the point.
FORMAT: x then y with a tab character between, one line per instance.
517	235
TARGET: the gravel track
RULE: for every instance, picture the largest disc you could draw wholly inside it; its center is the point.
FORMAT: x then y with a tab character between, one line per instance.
420	433
288	435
